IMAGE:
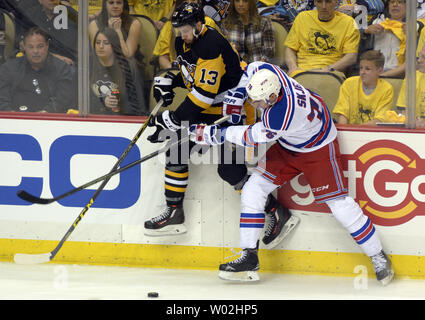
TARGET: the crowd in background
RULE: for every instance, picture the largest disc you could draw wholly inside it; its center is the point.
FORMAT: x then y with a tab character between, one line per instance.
362	42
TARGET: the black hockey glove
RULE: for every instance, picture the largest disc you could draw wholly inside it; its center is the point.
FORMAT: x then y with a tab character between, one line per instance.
164	123
163	88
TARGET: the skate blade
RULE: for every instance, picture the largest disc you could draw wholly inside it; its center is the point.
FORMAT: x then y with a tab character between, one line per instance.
244	276
287	228
172	230
388	279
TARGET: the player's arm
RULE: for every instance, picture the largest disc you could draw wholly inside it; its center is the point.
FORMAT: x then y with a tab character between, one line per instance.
247	136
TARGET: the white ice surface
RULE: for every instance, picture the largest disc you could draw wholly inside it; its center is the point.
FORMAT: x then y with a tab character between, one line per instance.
71	282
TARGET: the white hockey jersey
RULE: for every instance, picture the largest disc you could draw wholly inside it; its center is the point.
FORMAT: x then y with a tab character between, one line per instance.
299	120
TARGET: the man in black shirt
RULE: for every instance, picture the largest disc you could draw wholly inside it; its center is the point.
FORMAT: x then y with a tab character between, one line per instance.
37	82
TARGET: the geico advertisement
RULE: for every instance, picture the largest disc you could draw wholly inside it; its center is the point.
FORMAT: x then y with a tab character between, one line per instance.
49	167
386	177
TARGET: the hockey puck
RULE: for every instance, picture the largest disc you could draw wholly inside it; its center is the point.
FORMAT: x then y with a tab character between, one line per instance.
153	295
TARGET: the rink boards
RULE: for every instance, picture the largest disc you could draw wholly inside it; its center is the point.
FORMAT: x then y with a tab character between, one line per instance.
384	168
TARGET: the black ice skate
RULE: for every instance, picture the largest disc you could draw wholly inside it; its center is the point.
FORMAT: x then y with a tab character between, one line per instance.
281	223
170	222
243	268
382	265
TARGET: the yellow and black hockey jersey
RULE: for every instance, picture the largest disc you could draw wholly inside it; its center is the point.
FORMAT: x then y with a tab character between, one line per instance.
208	68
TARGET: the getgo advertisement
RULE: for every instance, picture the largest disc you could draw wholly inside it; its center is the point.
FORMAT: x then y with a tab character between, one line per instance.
386	177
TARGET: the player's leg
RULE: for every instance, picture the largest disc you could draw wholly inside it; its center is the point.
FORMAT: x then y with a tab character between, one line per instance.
171	221
253	201
325	179
280	222
351	217
255	193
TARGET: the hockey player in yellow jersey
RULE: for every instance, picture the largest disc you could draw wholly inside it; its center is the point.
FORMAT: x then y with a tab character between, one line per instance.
209	67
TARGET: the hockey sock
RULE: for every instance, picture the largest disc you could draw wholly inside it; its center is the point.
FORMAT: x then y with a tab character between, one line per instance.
176	181
351	216
253	200
251	226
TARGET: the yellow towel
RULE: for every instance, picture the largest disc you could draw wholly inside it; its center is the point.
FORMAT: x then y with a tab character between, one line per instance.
397	28
393	117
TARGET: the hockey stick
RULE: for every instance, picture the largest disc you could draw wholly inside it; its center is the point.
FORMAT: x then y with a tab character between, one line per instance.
33	199
22	258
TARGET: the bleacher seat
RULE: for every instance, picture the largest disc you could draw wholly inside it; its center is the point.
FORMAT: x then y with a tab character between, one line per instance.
280	34
326	84
396	83
147	42
8	23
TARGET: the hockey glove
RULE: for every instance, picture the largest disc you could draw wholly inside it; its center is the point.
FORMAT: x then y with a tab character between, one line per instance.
163	88
164	123
232	106
207	135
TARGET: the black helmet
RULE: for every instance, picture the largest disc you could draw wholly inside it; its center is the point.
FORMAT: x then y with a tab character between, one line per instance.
187	14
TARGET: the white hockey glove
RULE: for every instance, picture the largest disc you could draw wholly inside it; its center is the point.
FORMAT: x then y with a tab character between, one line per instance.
207	135
232	106
163	122
163	88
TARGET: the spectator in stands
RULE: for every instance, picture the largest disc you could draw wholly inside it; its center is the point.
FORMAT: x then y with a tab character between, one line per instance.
95	6
38	81
353	8
387	34
322	39
115	14
159	11
365	99
115	81
164	47
61	26
250	33
420	92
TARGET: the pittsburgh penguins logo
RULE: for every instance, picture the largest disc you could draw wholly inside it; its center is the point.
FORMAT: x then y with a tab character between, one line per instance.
102	89
188	71
321	43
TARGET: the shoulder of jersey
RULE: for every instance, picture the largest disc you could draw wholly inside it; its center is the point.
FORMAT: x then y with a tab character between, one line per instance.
212	44
277	117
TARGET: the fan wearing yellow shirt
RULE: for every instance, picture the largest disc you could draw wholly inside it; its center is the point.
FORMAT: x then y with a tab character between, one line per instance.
365	99
159	11
420	92
164	47
322	39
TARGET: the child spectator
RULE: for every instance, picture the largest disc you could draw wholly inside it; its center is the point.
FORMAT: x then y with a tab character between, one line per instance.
365	99
420	92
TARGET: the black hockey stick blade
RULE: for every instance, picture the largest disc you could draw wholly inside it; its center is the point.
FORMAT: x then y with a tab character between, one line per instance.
33	199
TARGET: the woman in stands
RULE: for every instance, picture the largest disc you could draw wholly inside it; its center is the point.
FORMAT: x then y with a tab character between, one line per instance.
115	15
115	80
251	34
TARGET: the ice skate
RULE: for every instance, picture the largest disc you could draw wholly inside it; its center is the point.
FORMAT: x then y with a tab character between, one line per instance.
281	223
382	265
170	222
243	268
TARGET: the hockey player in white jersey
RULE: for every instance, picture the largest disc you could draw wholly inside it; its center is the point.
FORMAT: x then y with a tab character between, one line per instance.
300	122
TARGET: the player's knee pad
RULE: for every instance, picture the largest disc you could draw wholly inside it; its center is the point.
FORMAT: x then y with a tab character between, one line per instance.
345	210
232	173
255	193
